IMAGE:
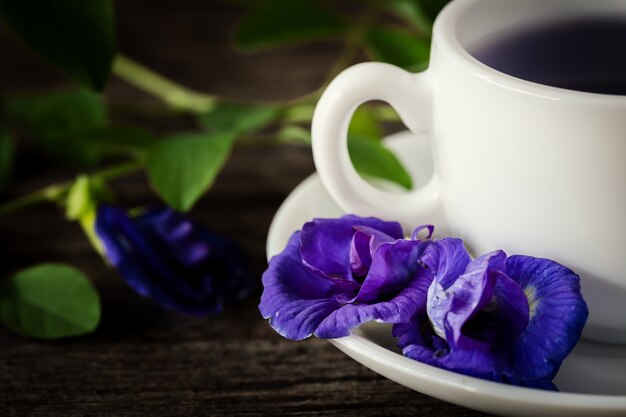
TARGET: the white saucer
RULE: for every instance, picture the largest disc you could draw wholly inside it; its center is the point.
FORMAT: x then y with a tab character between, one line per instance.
592	379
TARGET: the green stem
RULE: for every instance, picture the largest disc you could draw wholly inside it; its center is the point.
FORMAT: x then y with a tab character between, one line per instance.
176	95
50	193
117	171
55	192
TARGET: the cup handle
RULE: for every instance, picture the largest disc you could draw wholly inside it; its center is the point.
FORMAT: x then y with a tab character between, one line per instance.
410	94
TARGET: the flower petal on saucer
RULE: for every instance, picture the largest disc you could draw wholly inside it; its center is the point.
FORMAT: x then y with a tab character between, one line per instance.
364	242
397	310
452	308
326	243
294	297
447	259
416	339
393	291
557	315
512	309
419	342
394	266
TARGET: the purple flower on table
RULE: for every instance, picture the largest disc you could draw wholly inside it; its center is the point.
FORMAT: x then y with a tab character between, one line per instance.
180	265
338	273
509	319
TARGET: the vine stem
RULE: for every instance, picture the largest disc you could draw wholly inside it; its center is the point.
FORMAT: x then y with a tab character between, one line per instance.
55	192
175	95
49	193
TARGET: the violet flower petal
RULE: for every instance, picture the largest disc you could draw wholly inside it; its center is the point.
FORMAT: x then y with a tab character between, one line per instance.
295	298
557	315
447	259
419	342
360	255
398	309
227	260
418	229
512	312
394	266
175	233
326	242
195	283
416	337
450	309
364	242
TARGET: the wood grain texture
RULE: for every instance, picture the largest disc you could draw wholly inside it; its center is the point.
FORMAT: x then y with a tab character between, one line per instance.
143	361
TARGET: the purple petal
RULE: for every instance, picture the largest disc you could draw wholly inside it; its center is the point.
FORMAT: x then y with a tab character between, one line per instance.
299	319
451	309
557	315
394	266
398	309
419	342
364	242
447	258
150	271
295	298
206	261
474	362
512	309
228	262
360	255
175	233
326	243
418	229
544	384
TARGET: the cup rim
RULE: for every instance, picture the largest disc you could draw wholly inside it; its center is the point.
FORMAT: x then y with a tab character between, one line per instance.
446	37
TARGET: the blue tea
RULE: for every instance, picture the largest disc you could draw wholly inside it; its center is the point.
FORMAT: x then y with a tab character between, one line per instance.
586	54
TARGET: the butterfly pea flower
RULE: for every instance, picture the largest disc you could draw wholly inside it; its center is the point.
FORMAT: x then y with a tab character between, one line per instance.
180	265
335	274
508	319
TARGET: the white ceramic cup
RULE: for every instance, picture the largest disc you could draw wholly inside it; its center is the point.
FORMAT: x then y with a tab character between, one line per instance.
519	166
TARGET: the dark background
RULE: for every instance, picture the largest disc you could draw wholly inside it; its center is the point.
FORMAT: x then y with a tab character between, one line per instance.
146	361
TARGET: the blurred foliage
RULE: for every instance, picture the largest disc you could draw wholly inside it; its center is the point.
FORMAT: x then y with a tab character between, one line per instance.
399	48
7	148
50	117
72	126
76	36
274	23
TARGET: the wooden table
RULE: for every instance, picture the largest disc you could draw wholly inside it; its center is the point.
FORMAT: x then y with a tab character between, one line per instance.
143	360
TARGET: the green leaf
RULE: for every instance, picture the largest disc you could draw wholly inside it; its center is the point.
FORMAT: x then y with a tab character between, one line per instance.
115	138
413	13
49	301
372	159
51	117
7	149
182	167
76	36
279	22
364	123
397	47
238	118
299	113
294	134
62	111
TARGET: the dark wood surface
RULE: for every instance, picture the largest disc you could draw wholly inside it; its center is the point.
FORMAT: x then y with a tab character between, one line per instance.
143	361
